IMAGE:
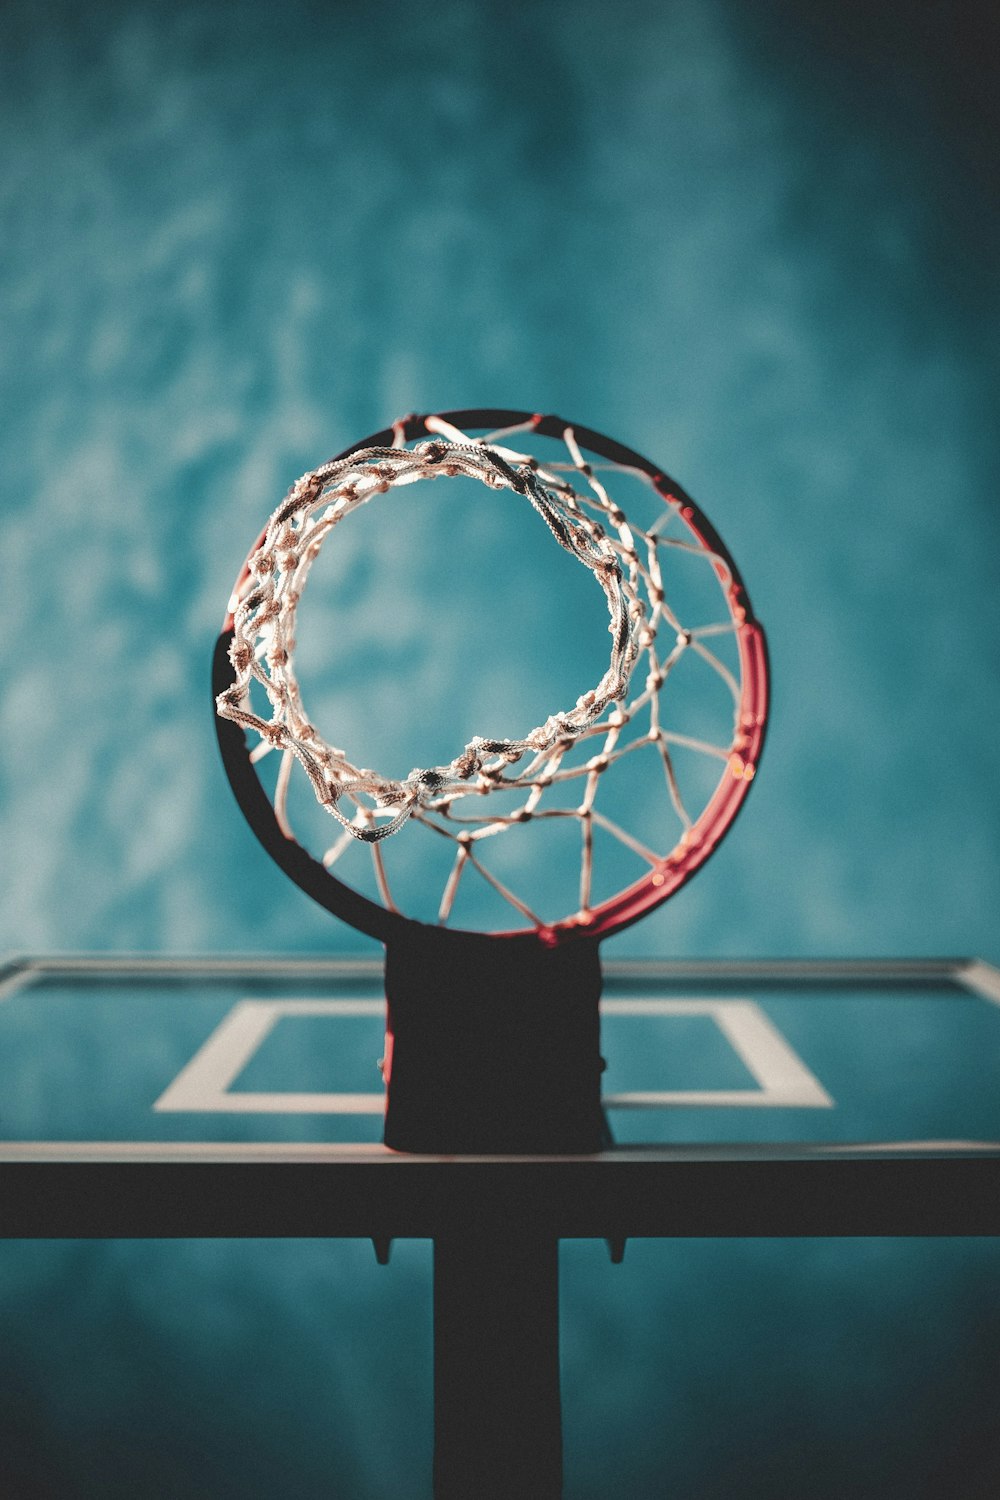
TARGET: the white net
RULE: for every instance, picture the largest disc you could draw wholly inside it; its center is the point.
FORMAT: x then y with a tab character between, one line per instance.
554	773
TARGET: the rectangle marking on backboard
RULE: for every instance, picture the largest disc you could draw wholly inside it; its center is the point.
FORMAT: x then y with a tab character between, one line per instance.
205	1083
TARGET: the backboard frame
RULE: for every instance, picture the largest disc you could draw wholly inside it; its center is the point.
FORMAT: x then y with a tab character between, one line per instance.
278	1189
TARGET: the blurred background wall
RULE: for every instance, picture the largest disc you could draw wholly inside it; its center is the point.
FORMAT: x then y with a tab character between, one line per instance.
757	242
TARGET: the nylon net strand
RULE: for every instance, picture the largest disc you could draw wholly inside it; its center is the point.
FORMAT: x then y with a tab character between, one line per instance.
586	521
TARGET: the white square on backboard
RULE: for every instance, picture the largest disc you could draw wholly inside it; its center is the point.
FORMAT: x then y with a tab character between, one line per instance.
205	1083
783	1080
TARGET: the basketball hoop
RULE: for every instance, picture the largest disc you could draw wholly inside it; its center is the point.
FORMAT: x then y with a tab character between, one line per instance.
547	775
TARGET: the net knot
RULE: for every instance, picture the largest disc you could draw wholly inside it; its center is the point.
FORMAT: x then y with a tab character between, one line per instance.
241	656
466	765
433	780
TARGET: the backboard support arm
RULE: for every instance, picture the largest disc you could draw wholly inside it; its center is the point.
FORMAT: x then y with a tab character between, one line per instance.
492	1045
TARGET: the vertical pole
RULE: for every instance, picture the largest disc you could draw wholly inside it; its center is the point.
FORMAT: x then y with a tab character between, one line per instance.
497	1414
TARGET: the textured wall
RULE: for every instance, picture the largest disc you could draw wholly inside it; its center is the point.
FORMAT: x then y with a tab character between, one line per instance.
757	245
757	242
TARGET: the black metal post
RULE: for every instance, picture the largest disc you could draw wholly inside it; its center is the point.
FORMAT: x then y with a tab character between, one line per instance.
497	1413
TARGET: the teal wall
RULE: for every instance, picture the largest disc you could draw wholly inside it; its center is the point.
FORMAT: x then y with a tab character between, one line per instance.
757	242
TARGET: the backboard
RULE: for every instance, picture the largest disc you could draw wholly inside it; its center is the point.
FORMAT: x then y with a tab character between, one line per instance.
242	1096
